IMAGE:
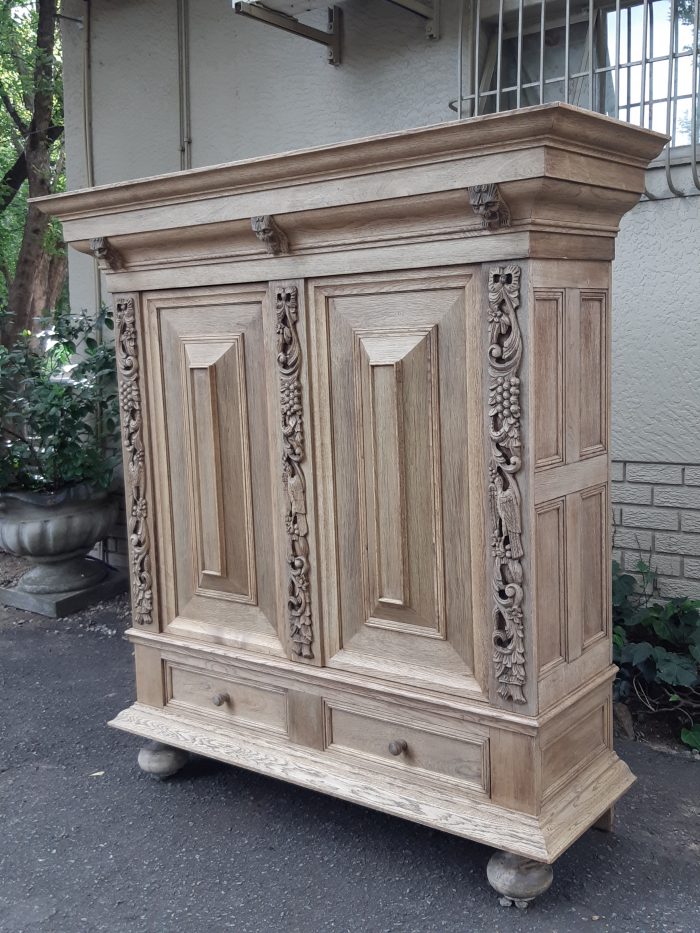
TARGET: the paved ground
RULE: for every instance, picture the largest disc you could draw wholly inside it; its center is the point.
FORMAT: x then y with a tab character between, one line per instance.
89	843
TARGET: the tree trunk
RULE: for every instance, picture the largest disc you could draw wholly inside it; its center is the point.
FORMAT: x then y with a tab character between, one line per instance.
19	299
37	151
48	283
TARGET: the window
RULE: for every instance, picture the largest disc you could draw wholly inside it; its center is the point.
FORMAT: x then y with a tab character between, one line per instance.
634	60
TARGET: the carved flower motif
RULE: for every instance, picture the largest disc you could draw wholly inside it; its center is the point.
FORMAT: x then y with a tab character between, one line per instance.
497	548
139	509
498	318
136	460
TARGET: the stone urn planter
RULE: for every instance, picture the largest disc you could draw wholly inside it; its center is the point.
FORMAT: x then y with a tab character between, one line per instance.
55	531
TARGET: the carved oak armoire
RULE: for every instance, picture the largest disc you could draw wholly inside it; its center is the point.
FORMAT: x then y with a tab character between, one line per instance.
365	397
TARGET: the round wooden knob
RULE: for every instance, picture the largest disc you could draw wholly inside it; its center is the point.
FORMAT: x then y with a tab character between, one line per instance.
220	698
398	747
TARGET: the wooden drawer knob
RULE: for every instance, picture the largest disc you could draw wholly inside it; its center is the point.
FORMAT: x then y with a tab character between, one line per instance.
219	699
398	747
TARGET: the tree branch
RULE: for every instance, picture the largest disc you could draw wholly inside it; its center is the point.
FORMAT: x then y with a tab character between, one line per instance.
15	176
12	110
43	66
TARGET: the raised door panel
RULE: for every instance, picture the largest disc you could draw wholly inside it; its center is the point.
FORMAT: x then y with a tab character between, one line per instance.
209	384
593	417
403	549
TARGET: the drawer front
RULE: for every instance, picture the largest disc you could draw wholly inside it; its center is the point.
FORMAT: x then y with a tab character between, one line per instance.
236	701
423	751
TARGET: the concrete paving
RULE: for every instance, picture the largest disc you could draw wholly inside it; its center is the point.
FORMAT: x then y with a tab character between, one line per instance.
89	843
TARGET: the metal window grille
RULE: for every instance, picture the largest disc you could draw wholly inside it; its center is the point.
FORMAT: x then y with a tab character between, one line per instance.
638	60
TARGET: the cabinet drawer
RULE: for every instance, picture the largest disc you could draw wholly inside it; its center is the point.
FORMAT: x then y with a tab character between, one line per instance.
390	742
233	700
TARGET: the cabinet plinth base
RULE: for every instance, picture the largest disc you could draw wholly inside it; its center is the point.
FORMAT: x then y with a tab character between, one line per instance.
606	823
161	761
518	880
543	837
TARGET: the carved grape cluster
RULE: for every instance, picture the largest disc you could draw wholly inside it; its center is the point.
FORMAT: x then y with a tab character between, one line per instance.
292	423
505	397
504	408
129	399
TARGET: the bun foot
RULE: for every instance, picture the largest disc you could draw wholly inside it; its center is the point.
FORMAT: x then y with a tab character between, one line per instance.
160	760
518	880
606	823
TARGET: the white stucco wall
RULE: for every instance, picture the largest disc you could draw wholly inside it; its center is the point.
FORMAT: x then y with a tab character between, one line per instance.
656	333
255	90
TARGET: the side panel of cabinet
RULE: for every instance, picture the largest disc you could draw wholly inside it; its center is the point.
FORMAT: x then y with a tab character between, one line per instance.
399	436
209	382
571	429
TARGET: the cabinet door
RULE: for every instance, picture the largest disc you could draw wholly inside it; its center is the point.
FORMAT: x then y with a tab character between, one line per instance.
399	427
210	379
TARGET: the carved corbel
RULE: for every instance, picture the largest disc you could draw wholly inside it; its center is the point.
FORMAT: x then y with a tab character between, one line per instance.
108	258
487	202
270	234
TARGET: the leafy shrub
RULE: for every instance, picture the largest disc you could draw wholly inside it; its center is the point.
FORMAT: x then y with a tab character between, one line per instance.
59	405
657	648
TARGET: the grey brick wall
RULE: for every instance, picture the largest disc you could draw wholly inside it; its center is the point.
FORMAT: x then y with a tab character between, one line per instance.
656	511
114	548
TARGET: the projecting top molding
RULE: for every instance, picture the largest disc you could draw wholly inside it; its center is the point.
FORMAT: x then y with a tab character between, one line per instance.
541	160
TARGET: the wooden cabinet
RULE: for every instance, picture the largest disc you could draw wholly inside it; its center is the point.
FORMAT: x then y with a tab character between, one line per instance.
365	399
393	424
209	388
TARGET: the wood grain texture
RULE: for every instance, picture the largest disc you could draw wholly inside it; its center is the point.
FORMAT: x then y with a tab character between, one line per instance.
395	743
218	425
392	426
515	769
560	823
593	419
550	584
235	701
367	451
150	676
548	350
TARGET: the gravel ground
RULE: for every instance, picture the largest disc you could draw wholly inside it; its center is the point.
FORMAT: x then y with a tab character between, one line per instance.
89	843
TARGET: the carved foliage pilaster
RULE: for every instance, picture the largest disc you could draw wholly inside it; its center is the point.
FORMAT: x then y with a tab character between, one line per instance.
289	362
127	353
505	459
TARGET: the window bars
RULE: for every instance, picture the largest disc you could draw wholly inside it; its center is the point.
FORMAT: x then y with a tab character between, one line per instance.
637	60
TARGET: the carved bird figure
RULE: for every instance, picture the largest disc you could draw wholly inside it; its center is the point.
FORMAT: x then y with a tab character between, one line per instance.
507	503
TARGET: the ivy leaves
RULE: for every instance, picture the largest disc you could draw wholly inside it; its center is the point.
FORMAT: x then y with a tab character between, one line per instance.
656	662
657	647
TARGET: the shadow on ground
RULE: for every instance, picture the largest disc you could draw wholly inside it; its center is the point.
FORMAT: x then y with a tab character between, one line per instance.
92	844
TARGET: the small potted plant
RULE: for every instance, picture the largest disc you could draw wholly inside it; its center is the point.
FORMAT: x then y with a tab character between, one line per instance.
59	448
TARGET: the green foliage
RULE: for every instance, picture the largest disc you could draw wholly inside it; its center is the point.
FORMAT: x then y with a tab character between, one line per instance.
692	736
657	648
59	403
19	56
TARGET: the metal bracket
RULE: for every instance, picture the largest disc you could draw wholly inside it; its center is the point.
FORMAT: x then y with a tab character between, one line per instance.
330	39
429	11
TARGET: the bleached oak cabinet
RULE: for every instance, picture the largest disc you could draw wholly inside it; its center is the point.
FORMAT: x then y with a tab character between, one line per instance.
365	395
